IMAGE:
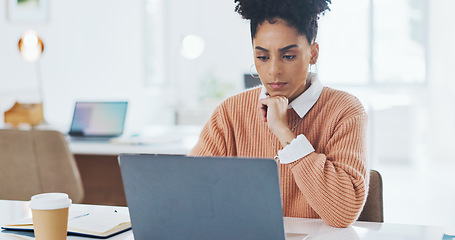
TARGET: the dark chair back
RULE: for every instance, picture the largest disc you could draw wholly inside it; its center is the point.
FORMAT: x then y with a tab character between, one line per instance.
373	211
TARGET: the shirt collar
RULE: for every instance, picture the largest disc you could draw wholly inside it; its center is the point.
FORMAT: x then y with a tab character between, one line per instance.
305	101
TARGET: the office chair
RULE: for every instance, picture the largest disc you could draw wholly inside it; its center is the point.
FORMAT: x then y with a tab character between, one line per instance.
373	211
37	161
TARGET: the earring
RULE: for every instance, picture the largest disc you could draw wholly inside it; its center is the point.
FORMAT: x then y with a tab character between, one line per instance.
313	67
312	62
251	73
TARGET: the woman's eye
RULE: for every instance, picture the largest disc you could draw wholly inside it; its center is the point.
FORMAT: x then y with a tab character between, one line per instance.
262	58
289	57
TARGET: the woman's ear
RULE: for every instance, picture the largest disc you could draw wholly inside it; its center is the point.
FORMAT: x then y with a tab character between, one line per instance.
314	53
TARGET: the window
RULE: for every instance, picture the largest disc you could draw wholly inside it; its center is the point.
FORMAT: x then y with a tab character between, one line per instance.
155	46
373	42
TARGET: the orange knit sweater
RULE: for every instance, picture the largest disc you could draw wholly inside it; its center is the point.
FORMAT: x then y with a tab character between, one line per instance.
330	183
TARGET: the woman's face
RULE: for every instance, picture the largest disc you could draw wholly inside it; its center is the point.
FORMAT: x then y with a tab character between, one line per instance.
282	58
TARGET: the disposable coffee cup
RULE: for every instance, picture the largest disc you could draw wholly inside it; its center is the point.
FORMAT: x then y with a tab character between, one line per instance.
50	215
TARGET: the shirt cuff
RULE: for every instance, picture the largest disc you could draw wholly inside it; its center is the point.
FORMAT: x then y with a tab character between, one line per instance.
297	149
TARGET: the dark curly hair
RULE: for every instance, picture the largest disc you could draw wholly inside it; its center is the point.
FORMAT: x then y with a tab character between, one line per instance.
303	15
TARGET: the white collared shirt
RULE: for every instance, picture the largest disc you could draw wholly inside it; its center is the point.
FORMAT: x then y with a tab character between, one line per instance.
299	146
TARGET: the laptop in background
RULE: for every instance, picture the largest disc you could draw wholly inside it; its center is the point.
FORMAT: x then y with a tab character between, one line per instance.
180	197
98	120
250	81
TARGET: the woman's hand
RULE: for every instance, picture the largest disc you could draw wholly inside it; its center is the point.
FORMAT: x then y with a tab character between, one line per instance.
273	110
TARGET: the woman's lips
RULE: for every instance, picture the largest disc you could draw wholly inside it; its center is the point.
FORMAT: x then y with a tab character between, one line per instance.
277	85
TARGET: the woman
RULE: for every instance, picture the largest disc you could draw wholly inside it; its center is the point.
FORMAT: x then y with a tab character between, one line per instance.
315	133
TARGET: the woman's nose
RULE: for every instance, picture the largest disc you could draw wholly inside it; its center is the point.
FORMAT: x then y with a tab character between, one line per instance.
275	67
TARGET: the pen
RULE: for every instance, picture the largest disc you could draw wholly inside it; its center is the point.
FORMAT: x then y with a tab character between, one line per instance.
83	215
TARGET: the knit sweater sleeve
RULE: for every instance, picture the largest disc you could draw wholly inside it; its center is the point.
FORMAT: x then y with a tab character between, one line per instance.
214	135
335	183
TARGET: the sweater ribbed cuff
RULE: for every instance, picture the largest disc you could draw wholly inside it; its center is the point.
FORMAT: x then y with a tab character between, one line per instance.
297	149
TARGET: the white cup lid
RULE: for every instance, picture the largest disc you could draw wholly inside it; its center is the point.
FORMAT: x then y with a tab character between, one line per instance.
47	201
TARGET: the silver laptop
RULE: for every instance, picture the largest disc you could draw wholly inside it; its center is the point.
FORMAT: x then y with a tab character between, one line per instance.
98	120
179	197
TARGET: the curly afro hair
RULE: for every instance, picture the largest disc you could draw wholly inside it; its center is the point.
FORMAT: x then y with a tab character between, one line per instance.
303	15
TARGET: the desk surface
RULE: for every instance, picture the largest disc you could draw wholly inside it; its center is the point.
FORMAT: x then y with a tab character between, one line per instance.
165	139
114	149
154	139
294	227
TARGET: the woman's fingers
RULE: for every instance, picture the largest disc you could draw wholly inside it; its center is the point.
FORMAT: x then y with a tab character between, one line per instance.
263	112
273	109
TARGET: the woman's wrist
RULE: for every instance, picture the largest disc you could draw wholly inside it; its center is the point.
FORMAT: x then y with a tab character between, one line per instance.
285	135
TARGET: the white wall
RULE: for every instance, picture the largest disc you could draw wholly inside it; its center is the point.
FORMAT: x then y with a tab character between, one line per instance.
441	121
227	55
93	51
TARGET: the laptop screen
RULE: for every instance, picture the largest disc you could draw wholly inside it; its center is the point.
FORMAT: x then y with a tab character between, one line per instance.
179	197
98	119
250	81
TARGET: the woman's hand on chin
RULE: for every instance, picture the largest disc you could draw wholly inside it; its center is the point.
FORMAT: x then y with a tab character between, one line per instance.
274	110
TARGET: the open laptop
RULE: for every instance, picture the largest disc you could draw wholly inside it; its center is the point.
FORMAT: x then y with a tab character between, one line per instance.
179	197
98	120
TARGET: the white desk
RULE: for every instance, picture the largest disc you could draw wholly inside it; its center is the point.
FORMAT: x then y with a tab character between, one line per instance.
98	165
153	139
316	228
114	149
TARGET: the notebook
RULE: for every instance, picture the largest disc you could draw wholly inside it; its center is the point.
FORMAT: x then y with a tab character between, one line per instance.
98	120
98	224
180	197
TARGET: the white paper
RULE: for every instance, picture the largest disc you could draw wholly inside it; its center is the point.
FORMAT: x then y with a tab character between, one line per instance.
99	221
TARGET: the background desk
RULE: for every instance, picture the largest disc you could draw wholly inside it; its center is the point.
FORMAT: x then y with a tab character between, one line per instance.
294	227
98	161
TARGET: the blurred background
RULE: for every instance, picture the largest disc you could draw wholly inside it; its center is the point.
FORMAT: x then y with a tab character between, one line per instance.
175	60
